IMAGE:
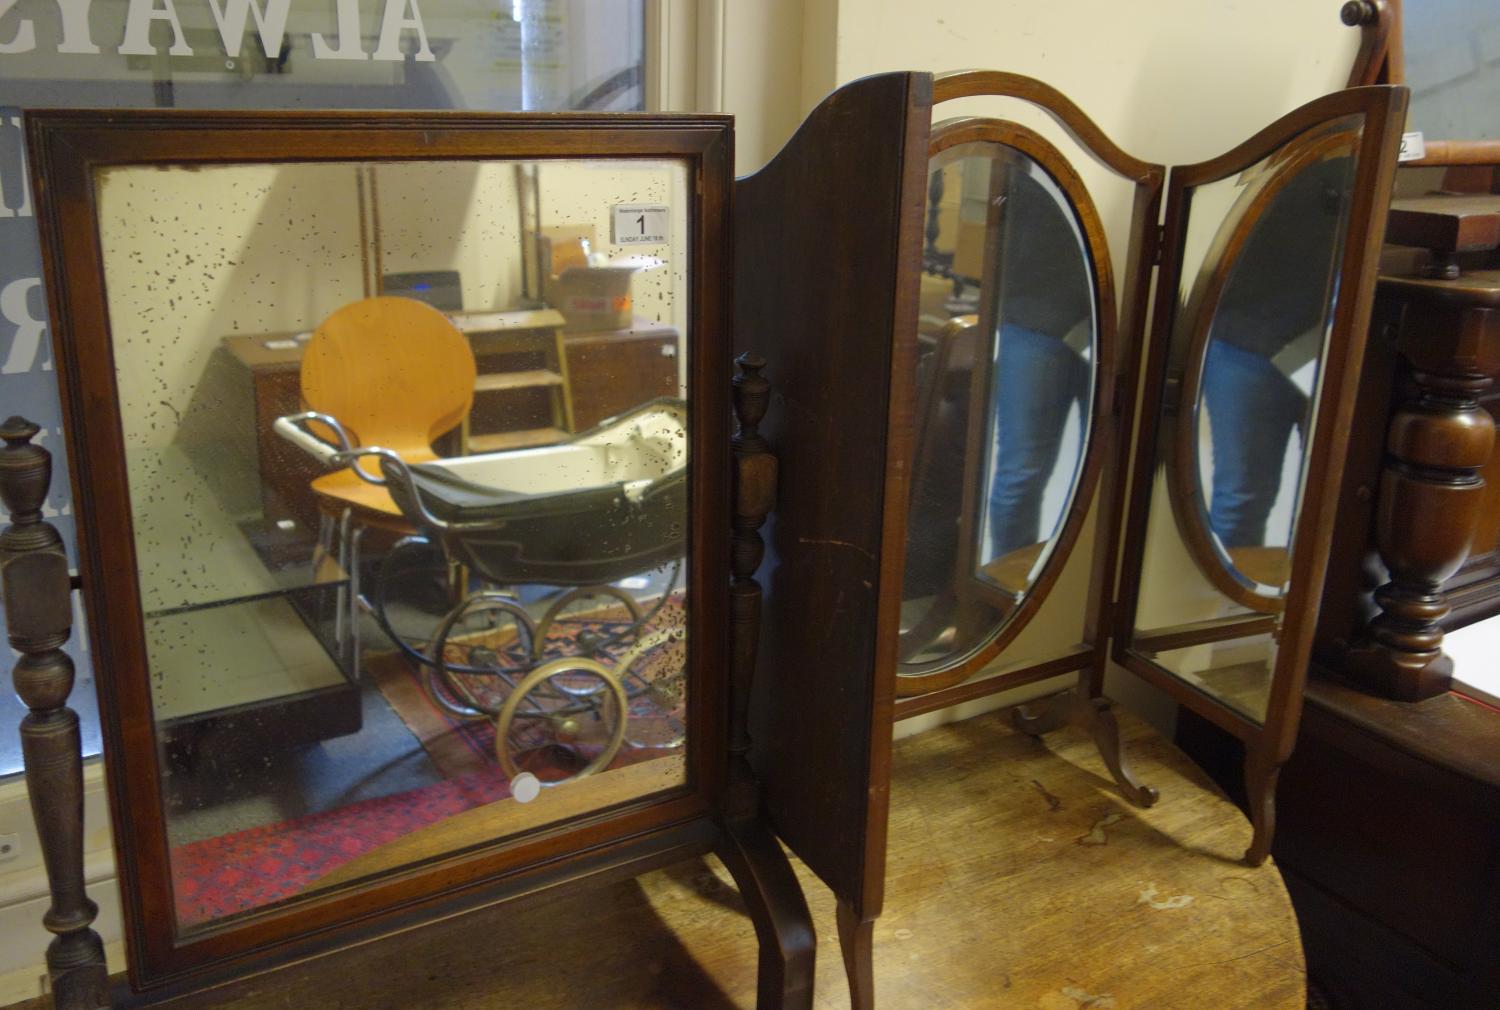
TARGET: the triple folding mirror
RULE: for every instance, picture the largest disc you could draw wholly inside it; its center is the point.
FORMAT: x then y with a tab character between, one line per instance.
1207	550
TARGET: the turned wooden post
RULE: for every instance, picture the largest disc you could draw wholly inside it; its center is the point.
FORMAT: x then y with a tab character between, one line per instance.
754	497
750	849
1430	494
38	613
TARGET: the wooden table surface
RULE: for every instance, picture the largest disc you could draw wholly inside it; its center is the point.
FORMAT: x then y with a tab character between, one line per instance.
1018	878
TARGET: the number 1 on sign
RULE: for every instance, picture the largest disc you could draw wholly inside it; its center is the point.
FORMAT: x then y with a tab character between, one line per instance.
641	224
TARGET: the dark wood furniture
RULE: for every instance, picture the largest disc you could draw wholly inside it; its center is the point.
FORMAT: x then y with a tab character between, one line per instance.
608	372
1389	810
1429	386
1389	841
615	370
763	766
1269	736
1115	379
39	619
1097	907
716	808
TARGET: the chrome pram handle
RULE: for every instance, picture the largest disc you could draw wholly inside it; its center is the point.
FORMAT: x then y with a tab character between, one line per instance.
293	428
392	468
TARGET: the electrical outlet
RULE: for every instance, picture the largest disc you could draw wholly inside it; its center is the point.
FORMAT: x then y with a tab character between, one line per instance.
10	847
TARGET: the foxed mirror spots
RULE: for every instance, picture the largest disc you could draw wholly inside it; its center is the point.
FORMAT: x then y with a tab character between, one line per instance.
407	451
1009	345
1263	250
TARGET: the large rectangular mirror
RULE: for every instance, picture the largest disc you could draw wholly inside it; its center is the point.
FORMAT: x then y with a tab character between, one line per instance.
395	463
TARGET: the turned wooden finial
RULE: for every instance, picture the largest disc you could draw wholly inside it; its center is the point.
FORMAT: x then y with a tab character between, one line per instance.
1358	13
25	476
752	395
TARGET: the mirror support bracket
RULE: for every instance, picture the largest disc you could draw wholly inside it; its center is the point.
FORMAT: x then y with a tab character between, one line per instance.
39	619
1093	713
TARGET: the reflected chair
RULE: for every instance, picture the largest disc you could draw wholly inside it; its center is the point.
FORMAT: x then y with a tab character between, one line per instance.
399	375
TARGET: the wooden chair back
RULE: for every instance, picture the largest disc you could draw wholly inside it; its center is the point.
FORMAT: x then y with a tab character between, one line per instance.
394	371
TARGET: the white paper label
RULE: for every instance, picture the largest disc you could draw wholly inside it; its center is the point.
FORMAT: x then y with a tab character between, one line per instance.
640	224
1412	146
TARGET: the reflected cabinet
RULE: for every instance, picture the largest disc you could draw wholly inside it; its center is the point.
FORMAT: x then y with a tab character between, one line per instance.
425	636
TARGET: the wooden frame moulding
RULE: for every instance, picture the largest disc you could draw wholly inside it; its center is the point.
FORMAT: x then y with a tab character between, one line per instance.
993	135
1185	374
1115	397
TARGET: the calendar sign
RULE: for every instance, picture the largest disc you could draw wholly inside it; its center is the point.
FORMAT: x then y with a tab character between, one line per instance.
641	224
1413	148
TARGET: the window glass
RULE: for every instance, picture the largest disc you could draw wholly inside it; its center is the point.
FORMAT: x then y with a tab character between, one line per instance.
510	55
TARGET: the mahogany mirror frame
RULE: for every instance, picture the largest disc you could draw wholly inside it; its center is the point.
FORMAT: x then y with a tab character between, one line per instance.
66	149
1185	377
1267	744
1121	328
1004	134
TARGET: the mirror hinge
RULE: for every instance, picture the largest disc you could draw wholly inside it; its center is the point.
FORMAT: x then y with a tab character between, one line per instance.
1161	240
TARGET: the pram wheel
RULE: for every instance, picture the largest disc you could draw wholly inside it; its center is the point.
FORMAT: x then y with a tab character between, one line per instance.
473	642
591	642
565	720
654	675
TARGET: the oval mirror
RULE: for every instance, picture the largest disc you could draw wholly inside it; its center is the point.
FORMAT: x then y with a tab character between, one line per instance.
1260	314
1011	343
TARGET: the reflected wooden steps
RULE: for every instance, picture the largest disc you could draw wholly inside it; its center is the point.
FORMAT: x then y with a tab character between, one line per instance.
534	378
526	438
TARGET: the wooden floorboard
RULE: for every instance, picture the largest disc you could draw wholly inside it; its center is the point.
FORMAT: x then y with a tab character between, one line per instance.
1018	878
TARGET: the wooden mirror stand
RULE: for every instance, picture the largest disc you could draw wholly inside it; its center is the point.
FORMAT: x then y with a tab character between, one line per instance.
802	753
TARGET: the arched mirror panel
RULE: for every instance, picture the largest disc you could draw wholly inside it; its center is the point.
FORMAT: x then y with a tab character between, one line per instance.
1016	327
1256	327
1262	251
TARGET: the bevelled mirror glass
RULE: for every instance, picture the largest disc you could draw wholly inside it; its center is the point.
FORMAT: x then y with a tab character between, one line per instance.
1009	350
411	542
1262	250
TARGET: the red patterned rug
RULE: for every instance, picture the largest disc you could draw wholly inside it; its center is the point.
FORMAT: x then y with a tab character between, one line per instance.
247	870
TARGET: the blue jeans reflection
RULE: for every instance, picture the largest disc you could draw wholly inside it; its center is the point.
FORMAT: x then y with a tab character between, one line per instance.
1038	379
1253	409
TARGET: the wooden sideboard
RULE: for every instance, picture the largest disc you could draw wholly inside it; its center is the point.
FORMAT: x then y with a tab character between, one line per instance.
1389	809
608	372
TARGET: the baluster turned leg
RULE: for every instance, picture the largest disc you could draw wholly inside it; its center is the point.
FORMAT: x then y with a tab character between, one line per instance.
1430	498
750	850
38	612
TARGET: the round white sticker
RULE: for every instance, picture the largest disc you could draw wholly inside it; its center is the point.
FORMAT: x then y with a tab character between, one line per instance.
525	787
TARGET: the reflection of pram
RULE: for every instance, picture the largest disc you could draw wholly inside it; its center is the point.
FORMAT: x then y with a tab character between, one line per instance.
606	506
